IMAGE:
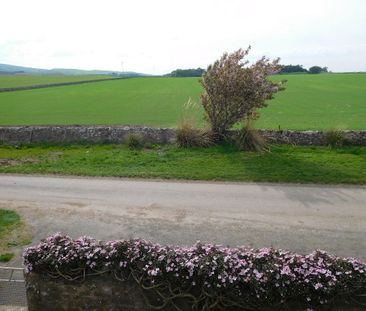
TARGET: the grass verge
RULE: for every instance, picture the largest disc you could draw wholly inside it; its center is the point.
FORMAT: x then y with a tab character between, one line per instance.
13	232
294	164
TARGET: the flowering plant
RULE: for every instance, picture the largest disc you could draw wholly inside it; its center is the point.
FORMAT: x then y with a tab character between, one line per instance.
212	277
235	91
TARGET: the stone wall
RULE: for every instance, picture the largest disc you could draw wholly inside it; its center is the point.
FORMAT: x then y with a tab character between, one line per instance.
311	137
104	292
95	293
82	134
14	135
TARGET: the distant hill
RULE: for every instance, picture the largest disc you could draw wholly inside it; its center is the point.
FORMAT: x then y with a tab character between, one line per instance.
11	69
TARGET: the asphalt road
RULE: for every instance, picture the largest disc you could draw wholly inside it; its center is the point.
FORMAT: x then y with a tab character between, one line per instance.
295	217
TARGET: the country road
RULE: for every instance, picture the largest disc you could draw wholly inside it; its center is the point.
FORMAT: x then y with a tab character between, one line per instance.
296	217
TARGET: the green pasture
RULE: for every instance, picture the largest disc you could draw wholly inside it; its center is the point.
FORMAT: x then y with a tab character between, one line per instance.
285	163
321	101
28	80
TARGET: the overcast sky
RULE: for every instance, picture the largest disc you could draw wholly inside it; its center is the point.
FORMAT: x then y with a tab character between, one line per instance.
157	36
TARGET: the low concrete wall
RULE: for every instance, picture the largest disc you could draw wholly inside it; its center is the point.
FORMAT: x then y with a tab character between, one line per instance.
14	135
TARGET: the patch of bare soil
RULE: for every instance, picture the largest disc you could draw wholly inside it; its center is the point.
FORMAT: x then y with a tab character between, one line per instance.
55	155
15	162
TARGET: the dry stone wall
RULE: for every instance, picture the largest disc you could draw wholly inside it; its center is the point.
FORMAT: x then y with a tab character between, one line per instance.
14	135
311	137
82	134
93	294
104	292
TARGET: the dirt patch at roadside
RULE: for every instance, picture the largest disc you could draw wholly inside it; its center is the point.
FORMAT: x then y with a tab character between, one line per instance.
15	162
55	155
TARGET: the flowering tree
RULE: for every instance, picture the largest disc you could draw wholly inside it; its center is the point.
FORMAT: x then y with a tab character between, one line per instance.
234	91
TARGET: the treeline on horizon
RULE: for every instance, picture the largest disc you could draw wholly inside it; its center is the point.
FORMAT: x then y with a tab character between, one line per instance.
187	73
301	69
198	72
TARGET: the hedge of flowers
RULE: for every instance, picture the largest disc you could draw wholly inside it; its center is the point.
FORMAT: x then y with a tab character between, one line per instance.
210	276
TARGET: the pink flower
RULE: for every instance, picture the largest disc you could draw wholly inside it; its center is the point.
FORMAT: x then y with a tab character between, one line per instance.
318	285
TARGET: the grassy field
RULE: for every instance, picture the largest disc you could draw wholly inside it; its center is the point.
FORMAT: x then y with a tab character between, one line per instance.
283	164
310	102
27	80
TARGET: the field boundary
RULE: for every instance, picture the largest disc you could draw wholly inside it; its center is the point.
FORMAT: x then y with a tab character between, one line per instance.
39	86
15	135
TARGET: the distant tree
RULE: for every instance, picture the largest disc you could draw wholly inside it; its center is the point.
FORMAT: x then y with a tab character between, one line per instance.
317	69
234	92
292	69
187	73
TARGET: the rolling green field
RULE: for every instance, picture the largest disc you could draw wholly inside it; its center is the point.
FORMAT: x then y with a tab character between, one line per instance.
28	80
310	102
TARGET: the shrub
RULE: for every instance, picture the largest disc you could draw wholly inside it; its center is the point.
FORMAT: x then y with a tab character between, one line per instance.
335	138
135	141
189	136
211	277
249	139
233	92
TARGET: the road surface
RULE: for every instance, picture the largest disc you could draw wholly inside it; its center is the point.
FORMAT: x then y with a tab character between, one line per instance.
296	217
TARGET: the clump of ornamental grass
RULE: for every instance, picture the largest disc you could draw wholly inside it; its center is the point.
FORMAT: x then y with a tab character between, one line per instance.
207	276
135	141
247	138
190	136
335	138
